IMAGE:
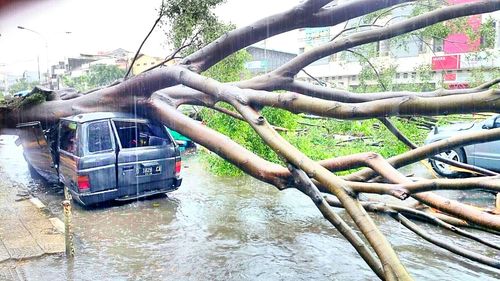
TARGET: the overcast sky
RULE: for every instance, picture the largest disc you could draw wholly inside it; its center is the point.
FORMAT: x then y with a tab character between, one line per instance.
70	27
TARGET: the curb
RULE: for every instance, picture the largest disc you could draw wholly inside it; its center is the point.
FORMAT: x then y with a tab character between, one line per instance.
55	221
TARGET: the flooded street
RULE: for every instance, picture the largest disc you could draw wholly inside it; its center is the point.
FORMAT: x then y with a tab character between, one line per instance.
226	228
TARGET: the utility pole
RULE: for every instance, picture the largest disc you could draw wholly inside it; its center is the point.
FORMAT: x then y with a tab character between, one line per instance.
46	51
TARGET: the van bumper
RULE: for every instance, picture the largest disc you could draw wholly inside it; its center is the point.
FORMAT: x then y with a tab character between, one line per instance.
122	194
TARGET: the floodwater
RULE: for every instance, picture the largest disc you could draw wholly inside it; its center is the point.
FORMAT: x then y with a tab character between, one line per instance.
227	228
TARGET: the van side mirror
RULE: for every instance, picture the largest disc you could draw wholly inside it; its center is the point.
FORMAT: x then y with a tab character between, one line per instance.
18	141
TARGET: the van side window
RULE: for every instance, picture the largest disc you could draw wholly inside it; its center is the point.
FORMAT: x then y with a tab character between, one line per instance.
99	136
67	138
140	134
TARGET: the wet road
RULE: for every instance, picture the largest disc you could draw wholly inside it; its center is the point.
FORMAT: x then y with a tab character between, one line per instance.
223	228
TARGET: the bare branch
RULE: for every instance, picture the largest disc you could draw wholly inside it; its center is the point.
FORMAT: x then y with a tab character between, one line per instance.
436	218
295	65
429	150
483	183
144	41
306	186
303	15
486	101
446	245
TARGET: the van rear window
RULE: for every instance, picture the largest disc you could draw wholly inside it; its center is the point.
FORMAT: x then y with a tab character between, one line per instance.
141	134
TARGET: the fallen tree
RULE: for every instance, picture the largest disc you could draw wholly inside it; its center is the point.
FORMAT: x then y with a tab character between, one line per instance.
159	92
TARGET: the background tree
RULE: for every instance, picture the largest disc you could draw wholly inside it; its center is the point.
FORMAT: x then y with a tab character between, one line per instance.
98	75
22	84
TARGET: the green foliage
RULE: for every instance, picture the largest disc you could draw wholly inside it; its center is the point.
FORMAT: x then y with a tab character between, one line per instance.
33	99
80	83
21	85
243	134
99	75
185	18
320	142
103	75
231	68
383	81
482	75
487	34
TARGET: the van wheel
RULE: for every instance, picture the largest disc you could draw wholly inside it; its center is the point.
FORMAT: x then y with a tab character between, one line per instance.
446	170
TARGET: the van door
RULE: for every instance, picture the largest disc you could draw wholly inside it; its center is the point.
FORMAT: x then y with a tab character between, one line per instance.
146	157
69	151
37	151
98	164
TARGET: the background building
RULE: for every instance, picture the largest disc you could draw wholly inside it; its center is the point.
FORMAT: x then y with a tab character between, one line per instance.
453	62
144	62
264	60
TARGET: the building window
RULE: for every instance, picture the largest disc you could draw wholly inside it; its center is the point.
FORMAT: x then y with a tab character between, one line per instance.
413	75
421	45
398	75
383	48
353	78
138	64
437	44
405	75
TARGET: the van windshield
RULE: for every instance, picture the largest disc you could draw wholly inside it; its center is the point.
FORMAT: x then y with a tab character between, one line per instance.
141	134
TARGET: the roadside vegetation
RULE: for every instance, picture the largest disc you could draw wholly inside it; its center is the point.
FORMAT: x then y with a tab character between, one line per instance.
98	76
22	84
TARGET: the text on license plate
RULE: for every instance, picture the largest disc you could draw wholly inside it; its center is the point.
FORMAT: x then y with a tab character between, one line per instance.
149	170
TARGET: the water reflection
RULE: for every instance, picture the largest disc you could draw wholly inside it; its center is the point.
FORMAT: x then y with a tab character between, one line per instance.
219	228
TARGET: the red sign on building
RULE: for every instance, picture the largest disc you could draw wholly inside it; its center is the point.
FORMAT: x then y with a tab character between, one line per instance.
450	76
446	62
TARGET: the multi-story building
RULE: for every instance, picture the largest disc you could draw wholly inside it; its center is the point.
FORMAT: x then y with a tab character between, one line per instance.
452	62
264	60
145	62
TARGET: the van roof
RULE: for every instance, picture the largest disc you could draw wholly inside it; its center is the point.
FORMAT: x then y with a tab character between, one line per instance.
86	117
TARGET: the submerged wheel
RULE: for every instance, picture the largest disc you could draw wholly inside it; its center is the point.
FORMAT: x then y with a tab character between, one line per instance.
446	170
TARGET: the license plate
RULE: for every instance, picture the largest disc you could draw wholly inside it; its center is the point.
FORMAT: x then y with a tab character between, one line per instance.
149	170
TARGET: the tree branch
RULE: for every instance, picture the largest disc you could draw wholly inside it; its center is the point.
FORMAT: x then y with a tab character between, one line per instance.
295	65
380	207
445	245
144	41
306	186
304	15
